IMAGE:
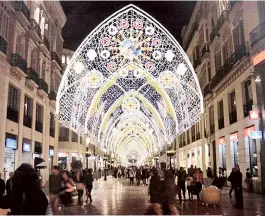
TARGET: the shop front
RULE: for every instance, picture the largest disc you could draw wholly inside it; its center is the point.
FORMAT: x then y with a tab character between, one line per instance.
63	158
51	155
10	157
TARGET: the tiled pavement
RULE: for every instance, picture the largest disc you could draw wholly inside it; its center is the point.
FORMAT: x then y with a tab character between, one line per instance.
116	197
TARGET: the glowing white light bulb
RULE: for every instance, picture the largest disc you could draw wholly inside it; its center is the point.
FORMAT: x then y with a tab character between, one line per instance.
79	66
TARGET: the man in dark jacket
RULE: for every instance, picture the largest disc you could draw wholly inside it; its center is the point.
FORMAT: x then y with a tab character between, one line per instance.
9	184
89	184
181	182
230	178
54	189
237	182
2	186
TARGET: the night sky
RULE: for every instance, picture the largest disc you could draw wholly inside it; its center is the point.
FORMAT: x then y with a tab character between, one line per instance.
83	17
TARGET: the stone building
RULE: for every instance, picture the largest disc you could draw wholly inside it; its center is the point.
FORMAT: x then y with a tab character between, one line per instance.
220	43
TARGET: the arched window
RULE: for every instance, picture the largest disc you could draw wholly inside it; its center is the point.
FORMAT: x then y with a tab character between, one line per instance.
37	14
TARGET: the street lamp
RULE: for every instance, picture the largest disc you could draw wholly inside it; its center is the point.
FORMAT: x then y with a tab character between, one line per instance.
170	154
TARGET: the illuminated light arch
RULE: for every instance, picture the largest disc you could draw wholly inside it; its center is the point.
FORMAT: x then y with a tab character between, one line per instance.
129	52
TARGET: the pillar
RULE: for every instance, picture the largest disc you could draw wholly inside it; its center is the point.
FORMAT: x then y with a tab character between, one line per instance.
34	103
56	140
20	127
203	145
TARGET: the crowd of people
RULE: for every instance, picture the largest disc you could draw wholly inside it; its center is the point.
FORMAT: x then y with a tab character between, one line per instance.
23	194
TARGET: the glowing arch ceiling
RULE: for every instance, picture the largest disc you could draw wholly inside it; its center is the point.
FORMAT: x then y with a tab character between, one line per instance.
129	87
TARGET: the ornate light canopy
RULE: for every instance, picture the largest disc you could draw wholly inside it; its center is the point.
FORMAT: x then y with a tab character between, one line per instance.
129	87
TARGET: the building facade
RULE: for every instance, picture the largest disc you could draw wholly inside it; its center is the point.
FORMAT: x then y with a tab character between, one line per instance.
219	44
30	56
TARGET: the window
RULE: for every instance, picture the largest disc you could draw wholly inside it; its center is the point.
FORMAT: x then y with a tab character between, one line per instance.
12	105
64	134
238	35
52	124
39	118
193	133
4	20
209	71
227	49
232	107
28	107
68	60
220	110
211	120
27	121
74	137
63	59
218	60
248	97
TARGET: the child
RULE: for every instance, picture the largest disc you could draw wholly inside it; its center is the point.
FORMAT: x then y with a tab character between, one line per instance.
190	187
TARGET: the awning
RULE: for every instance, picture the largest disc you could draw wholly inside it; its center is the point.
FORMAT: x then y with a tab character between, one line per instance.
39	163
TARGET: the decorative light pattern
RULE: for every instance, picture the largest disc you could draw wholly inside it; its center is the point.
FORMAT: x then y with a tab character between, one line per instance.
129	87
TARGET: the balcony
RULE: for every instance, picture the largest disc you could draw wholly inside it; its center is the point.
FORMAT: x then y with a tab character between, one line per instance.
38	126
52	95
22	12
206	90
257	34
241	51
3	45
12	114
221	123
27	121
56	59
223	17
205	50
43	85
34	30
212	129
233	117
198	136
52	132
18	61
33	75
45	45
248	107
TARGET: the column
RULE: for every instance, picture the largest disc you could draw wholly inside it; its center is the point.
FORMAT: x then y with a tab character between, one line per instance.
177	165
203	146
33	126
56	140
20	127
3	110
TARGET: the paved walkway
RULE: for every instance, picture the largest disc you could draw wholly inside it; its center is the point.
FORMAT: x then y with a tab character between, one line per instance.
116	197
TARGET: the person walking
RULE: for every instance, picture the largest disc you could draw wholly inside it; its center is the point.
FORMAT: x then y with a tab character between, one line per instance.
198	180
249	181
131	176
89	184
67	188
2	186
9	184
190	187
237	179
181	183
138	176
230	178
144	175
80	184
191	171
54	189
27	197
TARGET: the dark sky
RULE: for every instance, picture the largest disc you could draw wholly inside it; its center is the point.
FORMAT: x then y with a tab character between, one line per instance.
84	16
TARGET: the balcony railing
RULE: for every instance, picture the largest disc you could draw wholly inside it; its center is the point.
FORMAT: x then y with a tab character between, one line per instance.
33	75
43	85
27	121
35	27
221	123
198	136
248	107
12	114
52	132
241	51
3	45
46	42
38	126
257	34
56	58
205	49
221	19
21	6
206	90
52	95
212	129
233	117
18	61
